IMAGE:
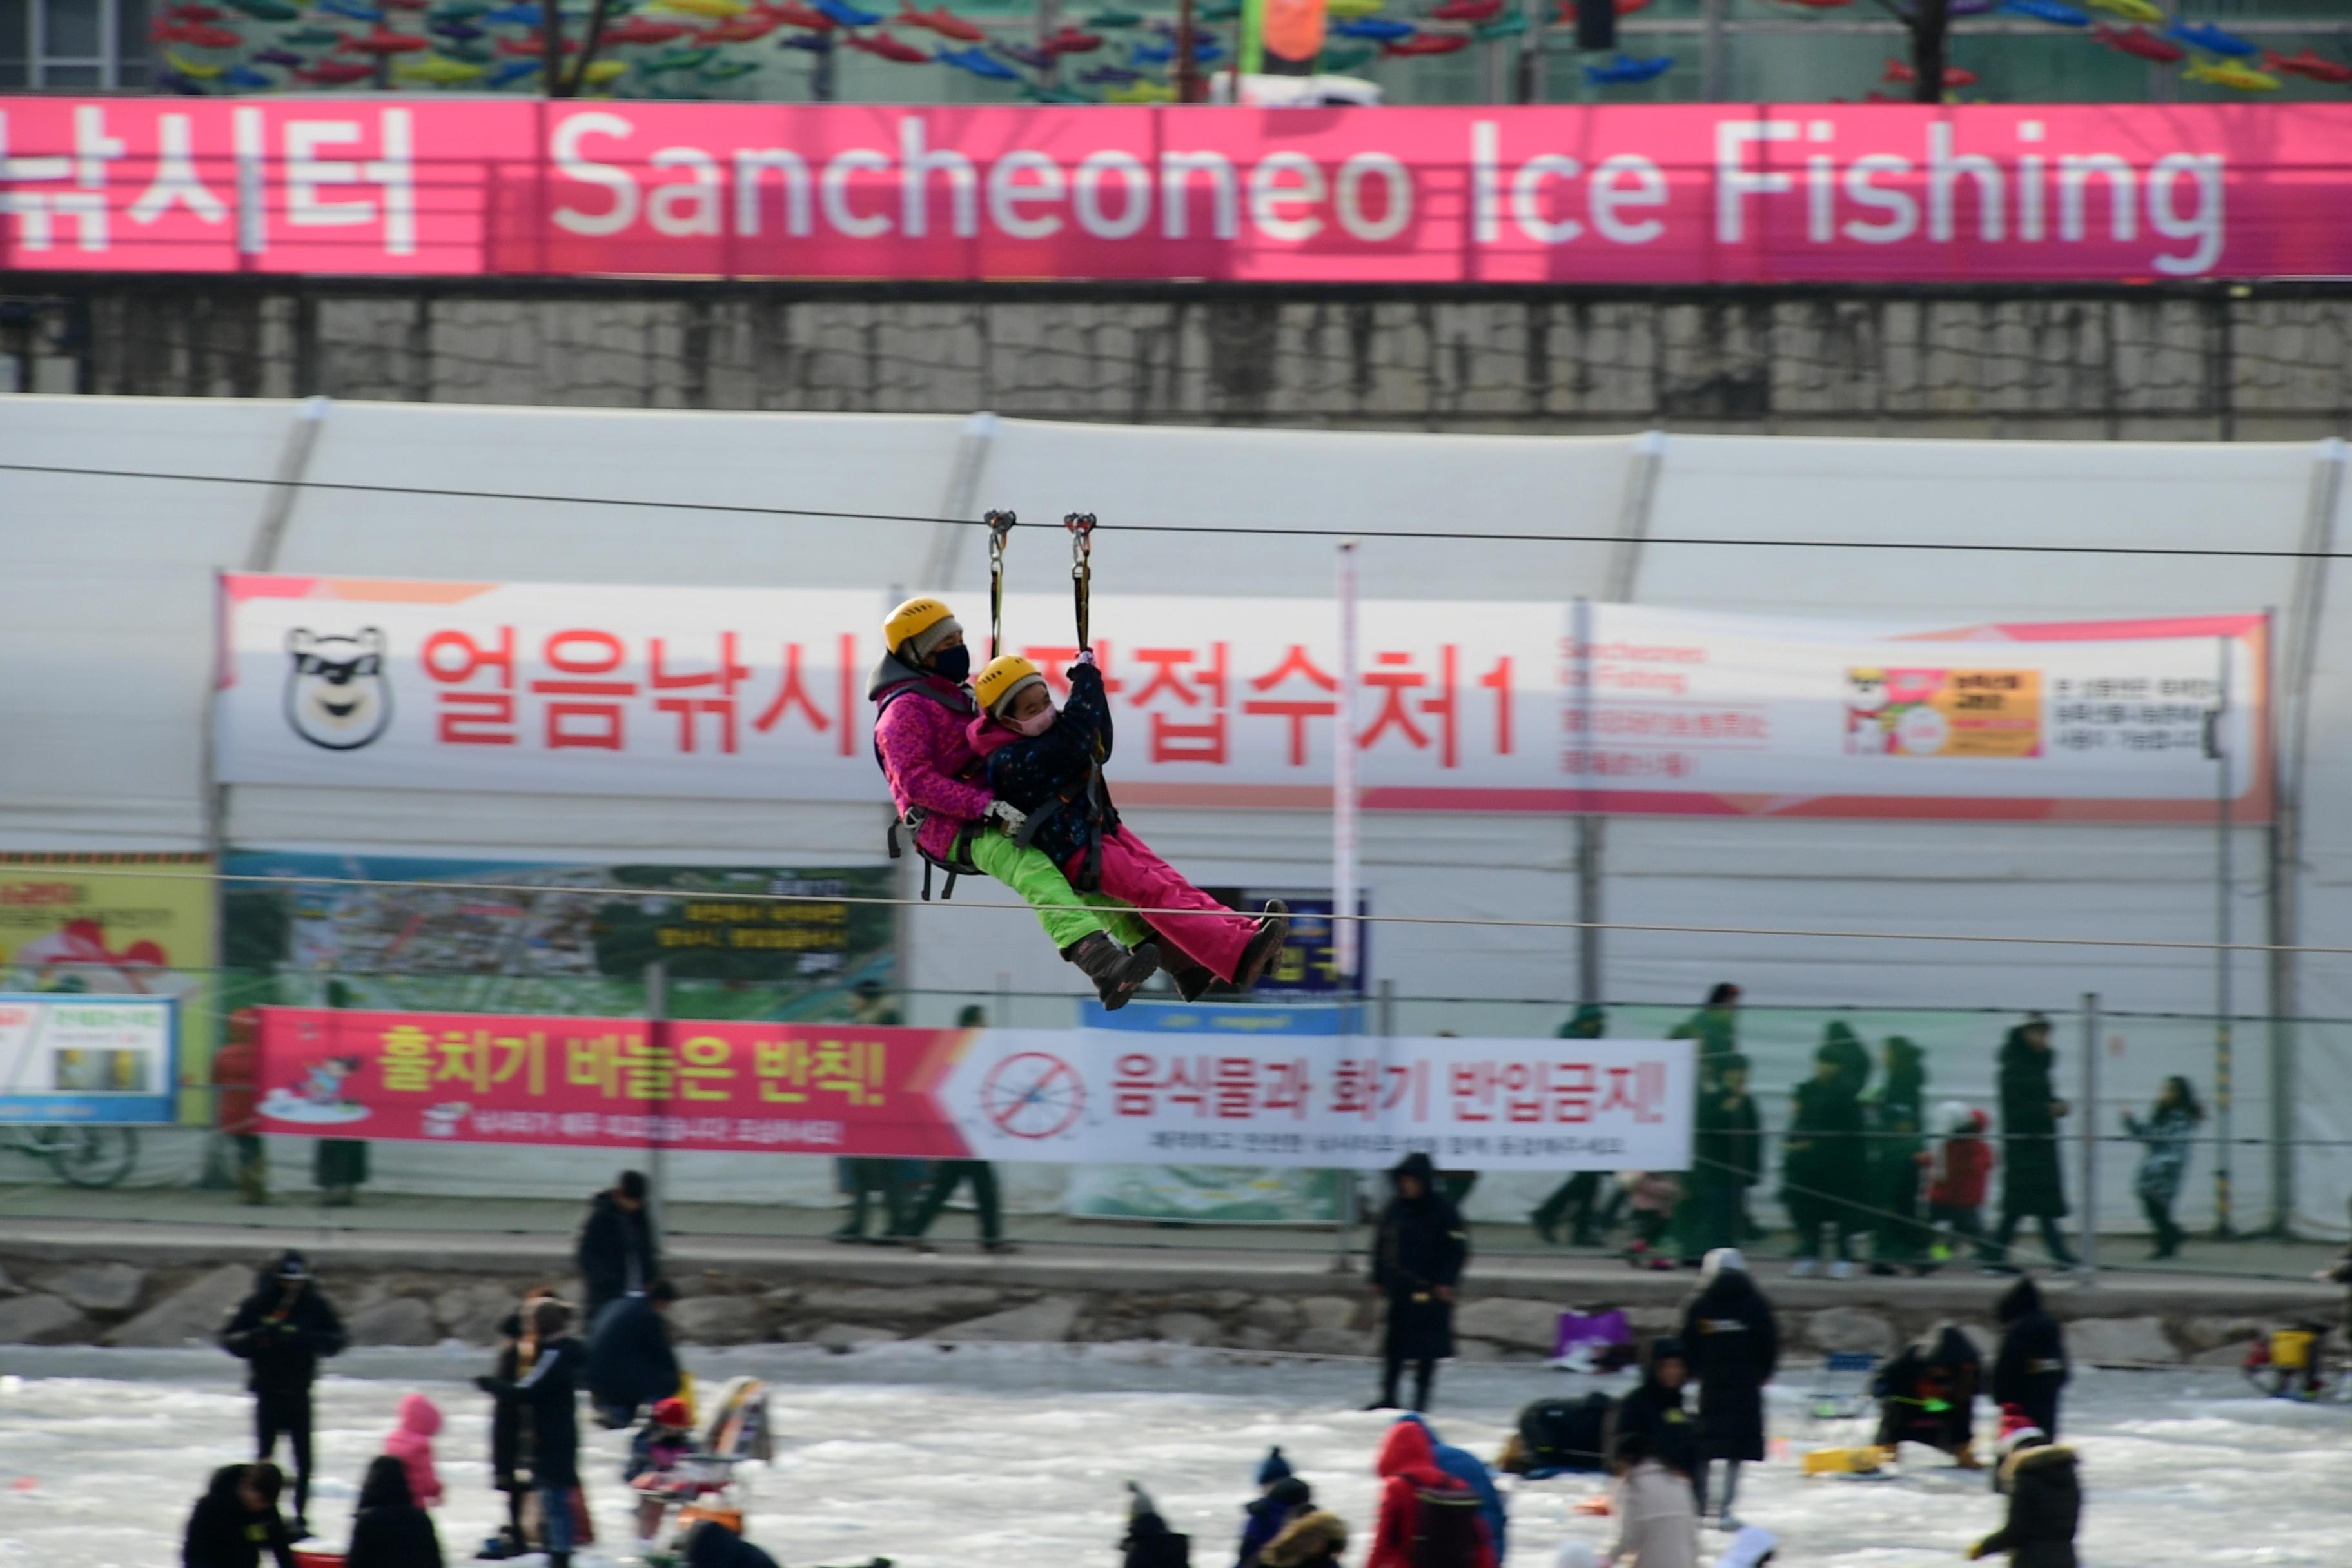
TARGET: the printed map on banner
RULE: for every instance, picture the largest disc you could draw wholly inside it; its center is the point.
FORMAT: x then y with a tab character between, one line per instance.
1062	1096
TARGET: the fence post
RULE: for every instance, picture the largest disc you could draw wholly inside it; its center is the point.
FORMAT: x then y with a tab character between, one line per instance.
2090	1124
656	1036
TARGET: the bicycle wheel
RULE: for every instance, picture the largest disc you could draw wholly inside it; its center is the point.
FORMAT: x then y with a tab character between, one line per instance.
92	1156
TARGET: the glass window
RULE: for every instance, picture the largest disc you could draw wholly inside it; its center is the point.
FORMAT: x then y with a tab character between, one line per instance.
71	76
15	24
131	41
72	33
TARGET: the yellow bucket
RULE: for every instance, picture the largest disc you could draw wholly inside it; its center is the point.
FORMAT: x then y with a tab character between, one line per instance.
2291	1348
1844	1461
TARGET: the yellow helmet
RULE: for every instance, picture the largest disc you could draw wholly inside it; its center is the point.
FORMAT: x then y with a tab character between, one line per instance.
1000	677
911	620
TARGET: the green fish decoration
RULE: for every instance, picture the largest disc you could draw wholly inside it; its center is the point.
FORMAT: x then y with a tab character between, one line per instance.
677	60
312	37
727	70
1114	19
1506	27
268	10
1339	62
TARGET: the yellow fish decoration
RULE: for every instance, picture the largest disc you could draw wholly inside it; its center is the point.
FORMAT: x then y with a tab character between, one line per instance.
603	72
187	66
1352	10
2229	73
2131	10
437	68
720	8
1140	93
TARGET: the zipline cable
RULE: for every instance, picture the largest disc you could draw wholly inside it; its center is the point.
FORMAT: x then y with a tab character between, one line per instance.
1355	531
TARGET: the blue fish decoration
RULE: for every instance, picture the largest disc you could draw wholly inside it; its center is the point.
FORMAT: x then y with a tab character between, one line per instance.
979	63
846	15
285	58
245	77
455	30
508	72
1625	69
814	43
1021	54
2054	12
1151	54
2207	37
515	15
1110	76
173	81
351	9
1380	29
1207	49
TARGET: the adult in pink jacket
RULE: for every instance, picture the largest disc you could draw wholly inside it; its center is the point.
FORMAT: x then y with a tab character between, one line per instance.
923	709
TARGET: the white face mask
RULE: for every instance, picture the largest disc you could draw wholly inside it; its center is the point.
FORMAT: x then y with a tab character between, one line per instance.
1038	724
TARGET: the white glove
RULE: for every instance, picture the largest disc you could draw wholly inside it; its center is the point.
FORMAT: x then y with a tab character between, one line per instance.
1087	656
1010	815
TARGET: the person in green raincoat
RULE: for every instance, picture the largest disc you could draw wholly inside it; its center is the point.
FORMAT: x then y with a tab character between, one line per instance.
1898	1155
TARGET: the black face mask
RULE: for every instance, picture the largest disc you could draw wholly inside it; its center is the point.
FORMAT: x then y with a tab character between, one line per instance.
955	663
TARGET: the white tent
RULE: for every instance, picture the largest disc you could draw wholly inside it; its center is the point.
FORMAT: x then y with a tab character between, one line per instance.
108	653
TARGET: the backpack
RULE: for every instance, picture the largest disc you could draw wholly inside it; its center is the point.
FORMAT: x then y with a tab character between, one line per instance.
1566	1434
1448	1530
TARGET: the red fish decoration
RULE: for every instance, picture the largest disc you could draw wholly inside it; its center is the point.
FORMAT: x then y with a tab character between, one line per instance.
2139	41
749	27
642	30
198	34
384	41
885	47
336	73
794	14
946	24
1467	10
1427	44
1070	41
1954	76
2310	64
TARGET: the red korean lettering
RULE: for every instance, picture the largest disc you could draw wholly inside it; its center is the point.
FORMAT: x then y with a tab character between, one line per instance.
1571	1087
1356	1087
1054	662
1473	1090
1498	681
1522	1092
588	715
1201	738
1392	676
1135	1085
1288	1087
1236	1089
1407	1081
719	681
485	717
1298	711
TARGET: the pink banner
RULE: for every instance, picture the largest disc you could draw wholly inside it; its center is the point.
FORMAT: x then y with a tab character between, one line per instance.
1680	193
594	1083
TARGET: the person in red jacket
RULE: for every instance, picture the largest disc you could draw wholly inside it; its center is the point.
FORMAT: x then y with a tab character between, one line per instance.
1962	1171
1427	1518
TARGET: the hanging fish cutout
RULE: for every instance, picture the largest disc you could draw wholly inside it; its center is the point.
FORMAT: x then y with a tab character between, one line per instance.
1625	70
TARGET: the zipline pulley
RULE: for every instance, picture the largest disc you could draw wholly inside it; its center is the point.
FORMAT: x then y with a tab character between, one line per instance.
999	525
1081	525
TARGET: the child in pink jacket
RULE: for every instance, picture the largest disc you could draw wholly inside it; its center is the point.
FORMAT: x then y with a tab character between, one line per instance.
412	1444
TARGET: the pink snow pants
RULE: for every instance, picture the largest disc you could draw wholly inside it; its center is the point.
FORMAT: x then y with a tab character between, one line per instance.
1208	933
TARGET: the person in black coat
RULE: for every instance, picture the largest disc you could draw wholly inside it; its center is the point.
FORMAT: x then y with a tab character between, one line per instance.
1899	1154
630	1363
2031	1185
2045	1503
549	1394
618	1252
1734	1343
1729	1156
236	1520
510	1421
1655	1410
1927	1393
390	1530
1418	1257
282	1332
710	1544
2029	1370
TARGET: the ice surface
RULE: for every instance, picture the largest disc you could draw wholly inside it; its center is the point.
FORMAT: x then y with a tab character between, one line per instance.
1012	1457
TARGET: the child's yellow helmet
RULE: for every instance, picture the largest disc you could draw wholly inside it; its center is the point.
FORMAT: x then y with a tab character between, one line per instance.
911	620
1000	678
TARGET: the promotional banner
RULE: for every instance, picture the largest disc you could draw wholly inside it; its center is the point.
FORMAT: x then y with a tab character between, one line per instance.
105	1060
1058	1095
2113	721
759	694
532	937
1216	1195
1636	194
128	924
752	693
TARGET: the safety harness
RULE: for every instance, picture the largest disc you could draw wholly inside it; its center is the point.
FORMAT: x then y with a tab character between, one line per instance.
911	821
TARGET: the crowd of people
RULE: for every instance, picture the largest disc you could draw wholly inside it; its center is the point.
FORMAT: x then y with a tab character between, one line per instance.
1867	1162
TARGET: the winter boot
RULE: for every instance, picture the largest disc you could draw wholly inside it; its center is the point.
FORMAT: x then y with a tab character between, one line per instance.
1116	971
1273	929
1192	979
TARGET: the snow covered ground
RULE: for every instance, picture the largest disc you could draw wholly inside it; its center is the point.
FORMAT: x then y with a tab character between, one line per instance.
1010	1456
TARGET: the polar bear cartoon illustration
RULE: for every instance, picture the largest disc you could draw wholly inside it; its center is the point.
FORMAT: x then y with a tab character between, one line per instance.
1867	732
336	695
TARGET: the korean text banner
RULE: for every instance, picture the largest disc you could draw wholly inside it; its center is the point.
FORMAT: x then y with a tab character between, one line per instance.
758	694
89	1058
1675	711
1056	1095
1663	193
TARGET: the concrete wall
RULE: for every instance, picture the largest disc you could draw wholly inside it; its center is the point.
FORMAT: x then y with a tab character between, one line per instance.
2237	364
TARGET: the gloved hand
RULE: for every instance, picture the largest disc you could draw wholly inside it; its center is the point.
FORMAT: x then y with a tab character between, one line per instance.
1010	815
1087	656
486	1384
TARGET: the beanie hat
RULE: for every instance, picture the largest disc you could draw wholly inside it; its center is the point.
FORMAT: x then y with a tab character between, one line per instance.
672	1413
2018	1430
1720	1259
1275	1468
927	641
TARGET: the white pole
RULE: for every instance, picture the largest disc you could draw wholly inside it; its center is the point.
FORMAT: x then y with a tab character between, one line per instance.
1345	937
